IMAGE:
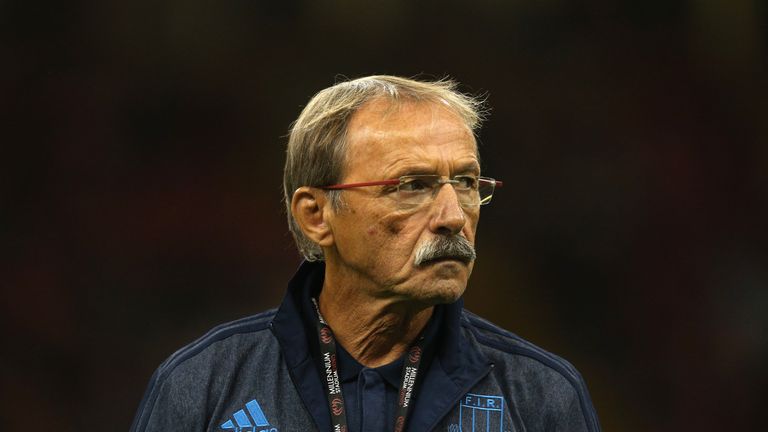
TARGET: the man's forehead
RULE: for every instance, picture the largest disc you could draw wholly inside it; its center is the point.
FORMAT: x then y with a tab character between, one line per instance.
383	112
407	126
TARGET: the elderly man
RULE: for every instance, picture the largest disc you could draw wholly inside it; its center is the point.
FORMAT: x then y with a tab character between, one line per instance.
383	190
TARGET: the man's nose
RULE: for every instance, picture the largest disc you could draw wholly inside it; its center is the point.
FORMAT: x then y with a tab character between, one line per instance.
448	218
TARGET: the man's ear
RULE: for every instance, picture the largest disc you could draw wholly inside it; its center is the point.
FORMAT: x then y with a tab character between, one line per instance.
310	208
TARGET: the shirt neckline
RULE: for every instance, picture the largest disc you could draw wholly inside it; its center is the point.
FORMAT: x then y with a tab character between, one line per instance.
349	368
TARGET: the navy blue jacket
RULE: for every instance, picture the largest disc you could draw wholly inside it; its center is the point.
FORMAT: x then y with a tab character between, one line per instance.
259	374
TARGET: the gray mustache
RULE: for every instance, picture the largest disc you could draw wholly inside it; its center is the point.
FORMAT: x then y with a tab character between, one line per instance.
445	247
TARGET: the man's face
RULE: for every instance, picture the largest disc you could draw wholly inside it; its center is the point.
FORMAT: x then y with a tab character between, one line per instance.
375	237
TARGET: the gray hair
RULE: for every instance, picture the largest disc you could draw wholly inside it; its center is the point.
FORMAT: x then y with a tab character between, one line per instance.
317	144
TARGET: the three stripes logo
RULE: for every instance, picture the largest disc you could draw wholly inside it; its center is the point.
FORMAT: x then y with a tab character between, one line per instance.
253	421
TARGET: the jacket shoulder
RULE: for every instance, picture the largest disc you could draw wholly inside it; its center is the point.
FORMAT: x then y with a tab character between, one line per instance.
199	366
217	339
496	338
549	380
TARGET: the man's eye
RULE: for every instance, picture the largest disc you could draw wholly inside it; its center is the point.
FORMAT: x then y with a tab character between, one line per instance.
414	185
467	182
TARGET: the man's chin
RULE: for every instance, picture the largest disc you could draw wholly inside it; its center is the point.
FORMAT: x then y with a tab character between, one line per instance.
447	268
441	291
436	282
446	297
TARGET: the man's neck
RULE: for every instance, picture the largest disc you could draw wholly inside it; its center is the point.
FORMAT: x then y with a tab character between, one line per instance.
374	331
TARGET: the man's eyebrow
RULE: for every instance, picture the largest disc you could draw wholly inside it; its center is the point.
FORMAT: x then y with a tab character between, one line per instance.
470	167
414	170
464	168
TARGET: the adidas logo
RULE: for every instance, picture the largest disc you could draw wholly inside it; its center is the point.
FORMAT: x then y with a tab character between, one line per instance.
256	422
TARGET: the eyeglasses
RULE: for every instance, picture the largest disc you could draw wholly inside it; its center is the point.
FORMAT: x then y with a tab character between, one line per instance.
418	189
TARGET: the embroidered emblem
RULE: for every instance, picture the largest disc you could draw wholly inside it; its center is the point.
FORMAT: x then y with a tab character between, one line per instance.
242	422
481	413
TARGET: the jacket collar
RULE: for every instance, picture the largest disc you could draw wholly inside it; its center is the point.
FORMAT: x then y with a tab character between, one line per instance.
455	367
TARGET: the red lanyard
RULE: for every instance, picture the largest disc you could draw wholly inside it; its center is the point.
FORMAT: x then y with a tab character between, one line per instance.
333	384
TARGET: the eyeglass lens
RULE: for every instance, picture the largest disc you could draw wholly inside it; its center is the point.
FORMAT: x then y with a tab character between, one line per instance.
471	191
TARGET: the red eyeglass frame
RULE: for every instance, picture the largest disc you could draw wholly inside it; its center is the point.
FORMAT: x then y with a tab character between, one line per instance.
497	183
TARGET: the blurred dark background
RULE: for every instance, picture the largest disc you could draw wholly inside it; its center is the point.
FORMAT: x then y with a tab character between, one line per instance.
140	174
